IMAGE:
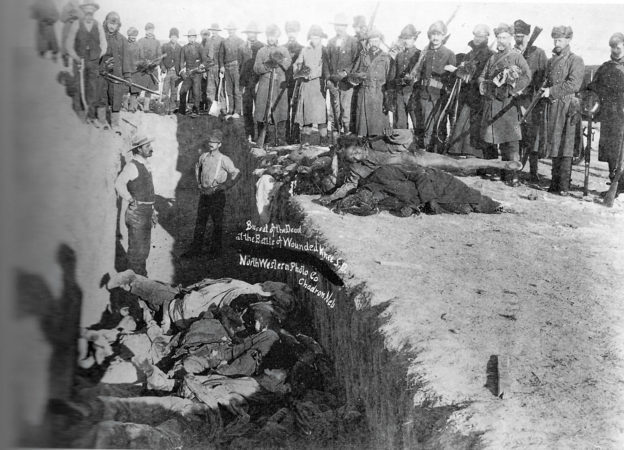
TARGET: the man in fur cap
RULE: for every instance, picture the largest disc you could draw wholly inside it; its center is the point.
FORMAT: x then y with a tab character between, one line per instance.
149	50
405	61
170	66
505	75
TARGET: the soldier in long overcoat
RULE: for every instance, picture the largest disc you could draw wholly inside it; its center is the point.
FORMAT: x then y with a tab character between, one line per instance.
149	50
133	56
311	107
276	58
292	29
249	78
405	61
466	136
372	104
117	62
565	73
537	61
608	84
505	75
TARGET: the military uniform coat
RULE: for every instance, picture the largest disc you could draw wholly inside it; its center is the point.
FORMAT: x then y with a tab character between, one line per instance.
501	122
279	101
565	74
191	56
371	120
247	75
537	61
149	50
311	106
294	48
133	56
608	84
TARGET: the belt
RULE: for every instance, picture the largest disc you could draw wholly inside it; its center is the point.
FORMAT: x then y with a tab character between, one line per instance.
144	203
432	82
231	63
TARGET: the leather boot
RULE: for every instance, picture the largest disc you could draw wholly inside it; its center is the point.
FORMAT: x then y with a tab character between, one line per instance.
101	118
115	122
512	178
533	159
133	103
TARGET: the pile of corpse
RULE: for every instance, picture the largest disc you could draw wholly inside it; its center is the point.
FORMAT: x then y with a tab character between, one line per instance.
365	176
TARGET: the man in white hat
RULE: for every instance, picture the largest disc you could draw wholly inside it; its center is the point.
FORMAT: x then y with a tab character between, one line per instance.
342	52
230	62
211	60
85	44
191	66
248	78
136	187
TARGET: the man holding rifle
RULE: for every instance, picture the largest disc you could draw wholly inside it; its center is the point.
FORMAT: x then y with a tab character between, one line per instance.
565	73
170	66
149	52
608	84
272	62
191	68
536	59
505	75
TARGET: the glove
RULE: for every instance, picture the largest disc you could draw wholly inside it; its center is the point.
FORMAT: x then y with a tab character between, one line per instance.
270	64
502	92
109	64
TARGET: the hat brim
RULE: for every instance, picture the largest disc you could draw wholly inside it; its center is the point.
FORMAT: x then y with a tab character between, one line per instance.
95	6
141	143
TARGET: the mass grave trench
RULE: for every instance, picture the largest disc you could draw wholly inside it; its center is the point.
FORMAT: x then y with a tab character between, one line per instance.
348	325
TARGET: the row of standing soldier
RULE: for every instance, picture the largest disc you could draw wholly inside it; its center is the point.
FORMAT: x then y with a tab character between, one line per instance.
364	84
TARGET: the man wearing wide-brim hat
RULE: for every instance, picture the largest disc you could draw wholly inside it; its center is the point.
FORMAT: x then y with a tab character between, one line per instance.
248	78
211	60
375	69
191	64
135	186
85	44
342	52
311	106
272	58
504	76
405	61
231	58
215	174
292	29
565	75
608	84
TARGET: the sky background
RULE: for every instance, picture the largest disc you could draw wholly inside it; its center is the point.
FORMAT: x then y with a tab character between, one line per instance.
593	23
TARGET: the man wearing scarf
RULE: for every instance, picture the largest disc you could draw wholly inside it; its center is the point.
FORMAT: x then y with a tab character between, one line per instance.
565	73
116	61
277	58
432	84
537	61
149	50
372	104
505	75
466	138
608	84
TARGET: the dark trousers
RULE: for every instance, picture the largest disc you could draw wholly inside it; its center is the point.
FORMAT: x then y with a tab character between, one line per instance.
510	151
91	86
194	82
561	174
139	223
233	88
210	206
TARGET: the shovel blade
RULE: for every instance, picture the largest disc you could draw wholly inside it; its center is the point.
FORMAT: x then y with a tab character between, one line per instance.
215	109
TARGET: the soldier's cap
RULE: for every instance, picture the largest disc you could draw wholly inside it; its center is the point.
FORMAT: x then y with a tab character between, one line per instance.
204	31
615	39
138	140
174	32
374	33
272	31
340	19
359	21
562	31
215	136
113	17
149	26
481	30
316	30
521	27
231	26
87	4
133	32
214	27
409	31
191	32
503	28
292	26
252	28
437	27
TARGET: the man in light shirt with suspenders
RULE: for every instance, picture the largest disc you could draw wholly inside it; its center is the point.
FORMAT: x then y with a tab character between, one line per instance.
215	173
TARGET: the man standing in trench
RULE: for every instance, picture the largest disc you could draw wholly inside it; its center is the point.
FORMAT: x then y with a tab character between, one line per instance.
215	174
136	186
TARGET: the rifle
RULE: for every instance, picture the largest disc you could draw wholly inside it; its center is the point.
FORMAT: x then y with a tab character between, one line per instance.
536	98
192	72
612	192
267	111
588	147
149	66
115	79
534	35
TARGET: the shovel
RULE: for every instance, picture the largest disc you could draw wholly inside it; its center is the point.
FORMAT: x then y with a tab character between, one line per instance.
215	106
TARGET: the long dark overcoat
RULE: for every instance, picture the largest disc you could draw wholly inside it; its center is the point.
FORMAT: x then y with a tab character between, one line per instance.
279	100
